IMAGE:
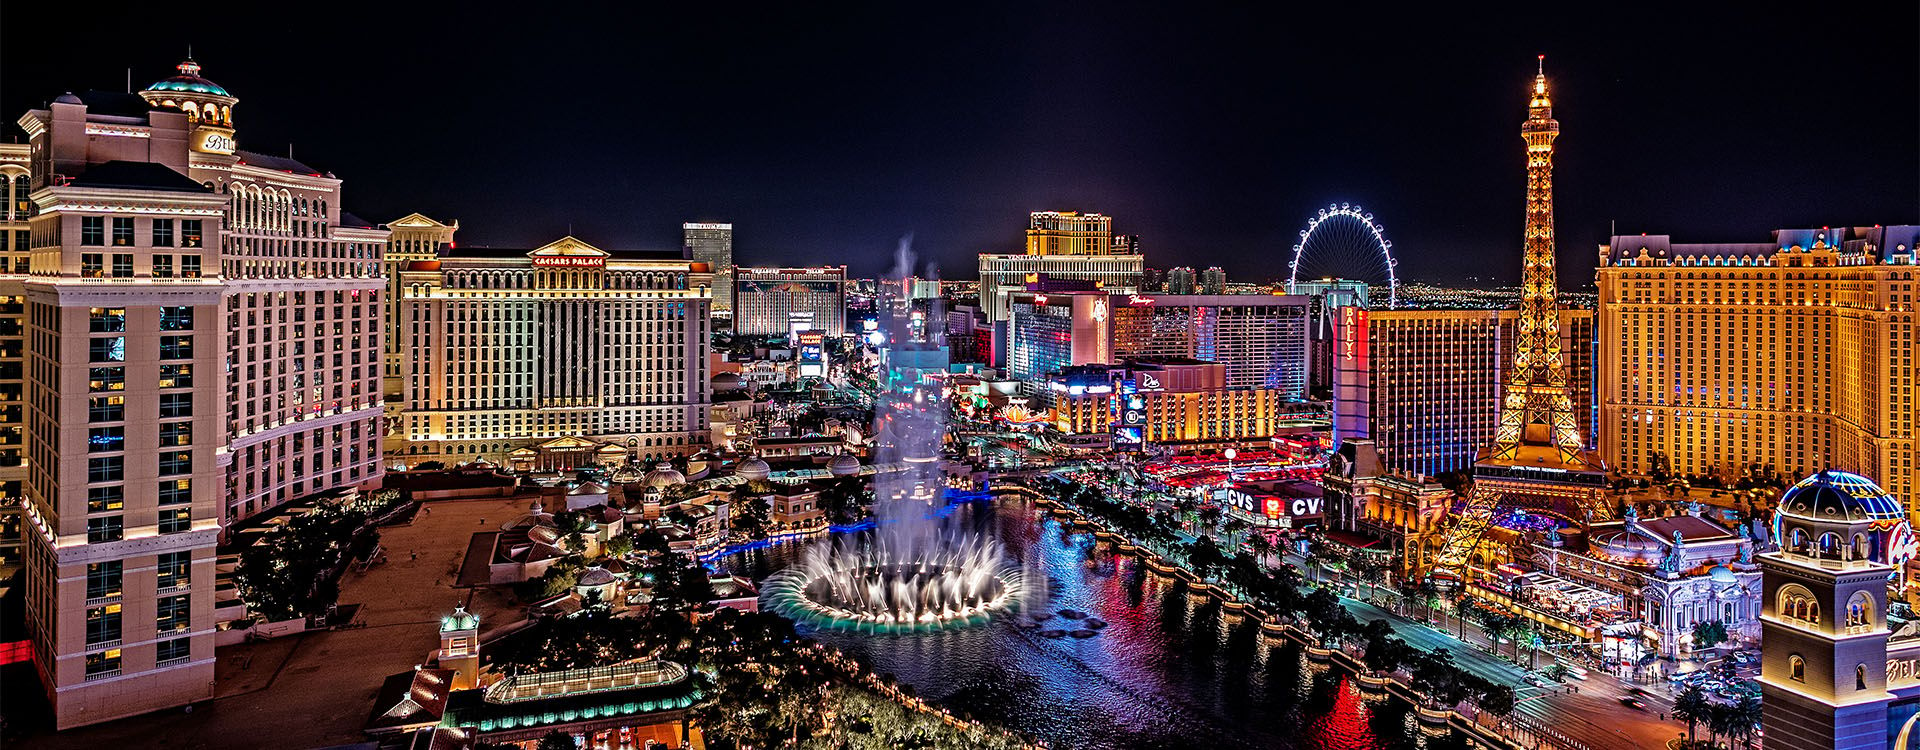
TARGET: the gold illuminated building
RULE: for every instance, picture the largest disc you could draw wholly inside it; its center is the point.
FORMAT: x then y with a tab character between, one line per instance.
1795	354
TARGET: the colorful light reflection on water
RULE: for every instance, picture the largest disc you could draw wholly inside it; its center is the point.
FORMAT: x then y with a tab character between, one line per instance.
1170	670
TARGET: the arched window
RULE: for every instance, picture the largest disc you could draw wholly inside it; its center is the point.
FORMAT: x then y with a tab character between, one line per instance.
1859	676
1797	668
1795	602
1861	549
1829	545
1860	612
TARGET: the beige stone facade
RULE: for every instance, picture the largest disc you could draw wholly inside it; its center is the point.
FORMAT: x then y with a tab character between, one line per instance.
1796	353
507	350
201	345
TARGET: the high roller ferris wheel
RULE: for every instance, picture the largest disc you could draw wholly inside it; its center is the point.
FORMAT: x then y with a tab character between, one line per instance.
1342	241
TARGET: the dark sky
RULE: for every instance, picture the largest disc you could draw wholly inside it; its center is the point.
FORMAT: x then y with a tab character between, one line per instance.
825	132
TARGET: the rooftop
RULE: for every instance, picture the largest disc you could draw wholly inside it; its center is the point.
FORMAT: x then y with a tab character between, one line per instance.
137	175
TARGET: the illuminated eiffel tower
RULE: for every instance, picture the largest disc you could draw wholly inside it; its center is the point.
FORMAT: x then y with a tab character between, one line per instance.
1536	458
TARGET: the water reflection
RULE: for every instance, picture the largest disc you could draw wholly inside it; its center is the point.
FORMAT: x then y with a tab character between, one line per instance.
1171	669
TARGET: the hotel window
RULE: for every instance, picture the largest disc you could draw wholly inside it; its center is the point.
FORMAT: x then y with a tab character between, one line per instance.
176	434
163	233
176	405
104	499
107	349
122	231
174	570
190	233
176	492
176	347
93	230
103	663
172	651
123	265
93	265
190	266
100	379
105	439
106	468
107	319
103	624
176	376
103	579
176	318
172	614
163	266
106	408
175	520
176	462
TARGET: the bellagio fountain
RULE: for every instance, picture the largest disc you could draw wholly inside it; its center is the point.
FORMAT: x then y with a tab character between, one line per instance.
915	570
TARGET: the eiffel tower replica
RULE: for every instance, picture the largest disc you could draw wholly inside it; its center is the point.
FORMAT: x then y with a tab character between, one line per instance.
1536	459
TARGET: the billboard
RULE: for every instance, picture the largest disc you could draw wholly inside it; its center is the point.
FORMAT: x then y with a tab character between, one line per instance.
1129	428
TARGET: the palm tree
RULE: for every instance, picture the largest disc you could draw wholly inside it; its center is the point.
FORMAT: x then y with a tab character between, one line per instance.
1262	546
1233	530
1692	706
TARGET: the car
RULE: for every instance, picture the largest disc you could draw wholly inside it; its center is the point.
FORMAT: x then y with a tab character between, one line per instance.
1634	703
1640	691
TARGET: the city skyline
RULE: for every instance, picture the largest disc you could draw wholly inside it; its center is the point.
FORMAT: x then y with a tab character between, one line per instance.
871	126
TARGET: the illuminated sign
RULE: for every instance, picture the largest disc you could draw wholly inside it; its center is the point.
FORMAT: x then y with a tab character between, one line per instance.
1273	507
1039	299
1099	311
1353	337
1135	299
216	142
573	261
1902	673
1150	383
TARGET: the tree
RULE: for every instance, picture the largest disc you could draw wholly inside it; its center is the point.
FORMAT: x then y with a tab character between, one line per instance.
1262	546
1498	700
1234	528
748	513
1691	705
556	740
1709	633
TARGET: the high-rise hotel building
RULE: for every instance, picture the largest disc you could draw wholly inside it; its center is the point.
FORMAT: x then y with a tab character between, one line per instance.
16	244
1060	245
1796	353
1425	385
1260	340
712	244
511	353
780	301
414	237
202	344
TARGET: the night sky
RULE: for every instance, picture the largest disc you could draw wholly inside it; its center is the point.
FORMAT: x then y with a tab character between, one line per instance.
825	132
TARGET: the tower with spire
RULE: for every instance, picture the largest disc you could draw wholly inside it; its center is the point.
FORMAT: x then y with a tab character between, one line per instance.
1536	408
1537	459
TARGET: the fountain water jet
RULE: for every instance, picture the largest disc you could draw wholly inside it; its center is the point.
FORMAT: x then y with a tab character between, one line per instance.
910	573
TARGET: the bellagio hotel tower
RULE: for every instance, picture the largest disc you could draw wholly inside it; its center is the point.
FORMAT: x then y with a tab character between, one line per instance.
1795	353
201	344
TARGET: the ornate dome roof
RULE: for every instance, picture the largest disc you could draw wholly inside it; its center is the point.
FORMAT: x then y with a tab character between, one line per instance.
664	475
1722	574
595	576
189	81
726	381
753	469
843	465
588	488
1839	497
